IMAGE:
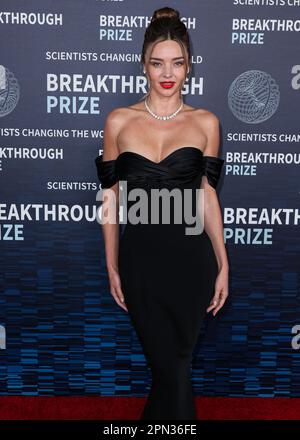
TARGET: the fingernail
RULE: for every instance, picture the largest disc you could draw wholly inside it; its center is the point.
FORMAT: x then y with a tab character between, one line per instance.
122	300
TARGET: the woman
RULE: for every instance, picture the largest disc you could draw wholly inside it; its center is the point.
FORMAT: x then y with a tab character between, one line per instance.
165	278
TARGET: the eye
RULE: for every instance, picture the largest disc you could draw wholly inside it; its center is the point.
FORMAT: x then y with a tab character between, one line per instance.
180	63
155	63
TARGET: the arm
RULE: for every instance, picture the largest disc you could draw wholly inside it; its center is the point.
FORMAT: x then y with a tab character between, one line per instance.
213	224
110	229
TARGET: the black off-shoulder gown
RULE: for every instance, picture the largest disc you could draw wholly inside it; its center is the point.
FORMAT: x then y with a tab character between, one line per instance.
167	277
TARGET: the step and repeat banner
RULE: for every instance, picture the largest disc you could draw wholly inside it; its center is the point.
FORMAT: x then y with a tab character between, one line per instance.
64	66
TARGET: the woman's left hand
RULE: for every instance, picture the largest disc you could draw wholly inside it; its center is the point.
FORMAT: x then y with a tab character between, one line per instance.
221	292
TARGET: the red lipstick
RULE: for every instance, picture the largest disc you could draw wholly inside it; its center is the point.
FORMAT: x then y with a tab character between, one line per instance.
167	84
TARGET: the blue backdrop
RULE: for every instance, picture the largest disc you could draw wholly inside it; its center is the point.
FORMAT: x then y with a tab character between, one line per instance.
64	66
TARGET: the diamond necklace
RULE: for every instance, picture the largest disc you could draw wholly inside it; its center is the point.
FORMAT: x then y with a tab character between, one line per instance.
163	118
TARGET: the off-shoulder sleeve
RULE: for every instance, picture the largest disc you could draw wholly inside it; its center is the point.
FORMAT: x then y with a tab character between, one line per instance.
106	171
212	167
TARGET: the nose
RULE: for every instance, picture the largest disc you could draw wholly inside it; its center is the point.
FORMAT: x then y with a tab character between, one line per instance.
168	72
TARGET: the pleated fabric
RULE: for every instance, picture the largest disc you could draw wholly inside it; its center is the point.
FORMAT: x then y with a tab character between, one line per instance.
179	167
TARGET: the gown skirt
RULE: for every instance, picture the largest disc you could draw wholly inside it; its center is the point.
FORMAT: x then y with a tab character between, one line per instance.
167	276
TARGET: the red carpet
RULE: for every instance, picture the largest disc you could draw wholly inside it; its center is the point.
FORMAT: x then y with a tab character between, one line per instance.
114	408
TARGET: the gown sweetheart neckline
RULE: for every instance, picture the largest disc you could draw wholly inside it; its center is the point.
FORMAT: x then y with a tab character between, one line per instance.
153	161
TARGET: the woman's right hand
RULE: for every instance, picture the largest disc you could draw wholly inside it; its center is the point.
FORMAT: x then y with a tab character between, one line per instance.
116	290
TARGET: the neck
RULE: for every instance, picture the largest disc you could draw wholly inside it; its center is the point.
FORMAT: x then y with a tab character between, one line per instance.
164	105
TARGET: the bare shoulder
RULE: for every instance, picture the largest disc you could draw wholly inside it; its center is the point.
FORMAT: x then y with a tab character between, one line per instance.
115	121
116	116
206	117
113	124
209	123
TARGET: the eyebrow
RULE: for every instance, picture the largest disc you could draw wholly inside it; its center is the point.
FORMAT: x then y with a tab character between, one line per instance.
161	59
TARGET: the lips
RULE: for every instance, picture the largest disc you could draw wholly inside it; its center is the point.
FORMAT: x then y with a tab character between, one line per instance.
167	84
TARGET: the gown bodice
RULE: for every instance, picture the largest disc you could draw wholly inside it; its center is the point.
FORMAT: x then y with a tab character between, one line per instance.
181	168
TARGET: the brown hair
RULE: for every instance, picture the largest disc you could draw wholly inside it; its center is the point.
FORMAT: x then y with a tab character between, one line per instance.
166	25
